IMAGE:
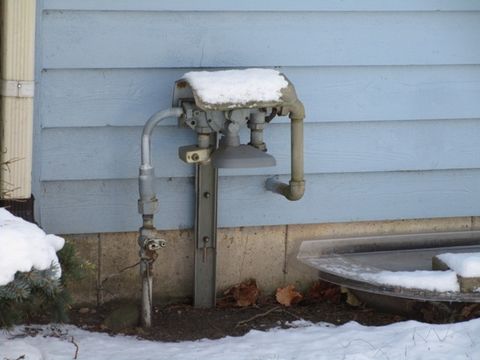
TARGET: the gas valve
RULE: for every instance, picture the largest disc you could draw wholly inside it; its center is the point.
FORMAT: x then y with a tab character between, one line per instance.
154	244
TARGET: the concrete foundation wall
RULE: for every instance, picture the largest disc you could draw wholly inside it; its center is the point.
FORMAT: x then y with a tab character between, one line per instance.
266	253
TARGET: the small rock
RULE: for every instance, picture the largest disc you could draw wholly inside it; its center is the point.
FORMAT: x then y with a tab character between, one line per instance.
438	264
123	316
84	310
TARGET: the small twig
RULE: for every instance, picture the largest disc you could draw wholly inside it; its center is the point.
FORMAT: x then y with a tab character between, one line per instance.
243	322
101	286
215	327
291	314
118	273
55	332
72	340
63	335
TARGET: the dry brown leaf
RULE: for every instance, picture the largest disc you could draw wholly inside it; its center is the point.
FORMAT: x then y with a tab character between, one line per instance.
288	295
246	293
243	294
470	310
324	291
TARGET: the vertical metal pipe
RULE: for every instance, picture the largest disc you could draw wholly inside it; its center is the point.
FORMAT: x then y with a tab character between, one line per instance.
297	149
147	206
146	271
147	283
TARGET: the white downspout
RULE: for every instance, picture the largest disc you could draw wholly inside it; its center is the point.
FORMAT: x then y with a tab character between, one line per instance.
17	91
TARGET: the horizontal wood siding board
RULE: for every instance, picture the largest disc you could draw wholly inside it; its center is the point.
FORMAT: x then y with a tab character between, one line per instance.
391	90
99	39
105	206
105	153
264	5
127	97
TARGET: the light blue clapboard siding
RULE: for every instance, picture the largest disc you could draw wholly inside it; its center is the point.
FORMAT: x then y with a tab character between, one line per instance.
391	88
329	148
127	97
99	39
71	206
264	5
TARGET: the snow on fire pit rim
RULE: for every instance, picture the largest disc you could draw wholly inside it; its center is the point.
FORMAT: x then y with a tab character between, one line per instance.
25	246
464	264
237	86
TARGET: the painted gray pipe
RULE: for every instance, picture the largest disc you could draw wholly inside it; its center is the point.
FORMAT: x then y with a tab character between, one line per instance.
295	189
147	206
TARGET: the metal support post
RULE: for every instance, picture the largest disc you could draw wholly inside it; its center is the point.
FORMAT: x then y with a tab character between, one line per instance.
206	179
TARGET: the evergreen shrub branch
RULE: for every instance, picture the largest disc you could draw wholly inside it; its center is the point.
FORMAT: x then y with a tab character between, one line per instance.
39	294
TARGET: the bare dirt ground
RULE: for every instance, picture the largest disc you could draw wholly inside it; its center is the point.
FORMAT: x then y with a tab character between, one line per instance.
179	322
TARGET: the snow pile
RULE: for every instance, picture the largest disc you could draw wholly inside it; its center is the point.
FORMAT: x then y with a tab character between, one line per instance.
237	86
419	279
25	246
405	340
464	264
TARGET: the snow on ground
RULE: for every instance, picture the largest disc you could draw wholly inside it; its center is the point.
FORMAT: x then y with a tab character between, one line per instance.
400	341
24	246
464	264
237	86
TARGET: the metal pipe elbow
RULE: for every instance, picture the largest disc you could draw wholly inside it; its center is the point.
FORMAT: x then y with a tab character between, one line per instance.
297	110
295	190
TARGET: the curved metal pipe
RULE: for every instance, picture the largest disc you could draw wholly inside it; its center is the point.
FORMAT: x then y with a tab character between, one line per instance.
147	204
295	189
148	129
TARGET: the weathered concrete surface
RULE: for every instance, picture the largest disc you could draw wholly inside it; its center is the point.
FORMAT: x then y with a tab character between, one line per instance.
475	222
266	253
173	269
251	252
117	252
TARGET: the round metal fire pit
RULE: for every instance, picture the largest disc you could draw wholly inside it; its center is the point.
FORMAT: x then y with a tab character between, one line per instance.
347	261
